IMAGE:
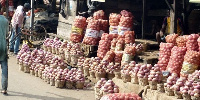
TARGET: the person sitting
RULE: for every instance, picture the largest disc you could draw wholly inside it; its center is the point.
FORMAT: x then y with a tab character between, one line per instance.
165	30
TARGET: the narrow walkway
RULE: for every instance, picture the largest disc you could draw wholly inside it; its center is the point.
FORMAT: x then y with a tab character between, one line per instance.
23	86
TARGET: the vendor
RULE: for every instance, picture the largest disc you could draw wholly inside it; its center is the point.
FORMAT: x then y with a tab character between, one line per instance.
165	30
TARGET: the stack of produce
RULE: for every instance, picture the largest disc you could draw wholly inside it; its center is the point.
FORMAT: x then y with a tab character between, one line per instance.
92	33
48	57
164	55
129	53
57	62
155	77
134	77
70	78
126	22
181	41
179	84
121	96
103	27
127	70
109	87
171	38
192	43
51	72
46	44
54	44
78	29
41	69
129	37
97	88
104	45
110	55
67	52
61	51
176	59
113	43
24	49
191	62
111	68
120	43
75	53
86	66
57	45
143	74
171	80
99	15
185	90
80	79
59	79
46	74
80	63
118	57
100	70
195	91
27	62
114	20
94	62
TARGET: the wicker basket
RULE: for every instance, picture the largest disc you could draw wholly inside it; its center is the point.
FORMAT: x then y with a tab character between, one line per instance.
69	85
134	79
153	85
79	85
99	76
143	81
178	95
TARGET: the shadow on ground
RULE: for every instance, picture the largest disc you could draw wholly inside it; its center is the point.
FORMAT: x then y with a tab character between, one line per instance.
12	93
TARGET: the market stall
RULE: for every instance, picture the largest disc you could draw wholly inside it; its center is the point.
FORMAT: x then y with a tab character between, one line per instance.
114	69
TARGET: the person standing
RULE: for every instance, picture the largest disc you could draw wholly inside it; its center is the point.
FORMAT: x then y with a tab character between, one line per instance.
17	23
3	53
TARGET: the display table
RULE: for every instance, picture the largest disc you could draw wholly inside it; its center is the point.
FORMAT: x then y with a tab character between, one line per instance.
128	87
155	95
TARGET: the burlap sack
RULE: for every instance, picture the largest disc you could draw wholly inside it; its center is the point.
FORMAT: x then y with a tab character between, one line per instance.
79	85
52	82
118	74
26	68
69	85
86	71
126	78
178	95
153	85
186	96
134	79
32	72
160	87
21	67
143	81
99	76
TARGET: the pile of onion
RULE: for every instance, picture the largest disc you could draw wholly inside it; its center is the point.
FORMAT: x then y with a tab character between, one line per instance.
110	87
24	49
120	43
76	50
112	67
181	41
126	22
155	74
110	55
103	27
179	83
78	28
118	56
171	80
121	96
135	70
164	55
92	33
104	45
114	20
99	15
144	71
171	38
192	43
129	37
176	59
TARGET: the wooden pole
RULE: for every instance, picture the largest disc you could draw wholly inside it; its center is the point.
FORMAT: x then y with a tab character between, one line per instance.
32	14
173	18
143	18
